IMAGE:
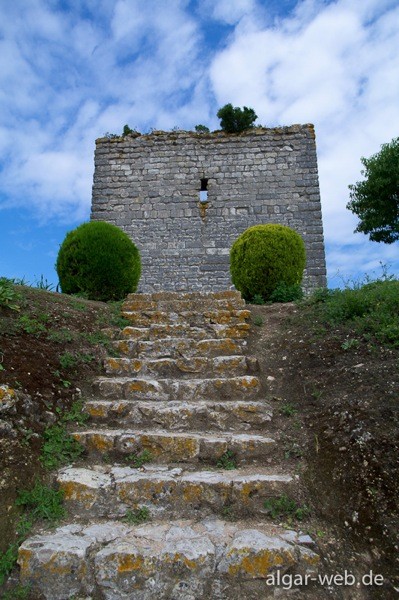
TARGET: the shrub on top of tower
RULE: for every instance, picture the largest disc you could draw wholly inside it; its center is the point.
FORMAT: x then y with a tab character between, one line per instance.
235	119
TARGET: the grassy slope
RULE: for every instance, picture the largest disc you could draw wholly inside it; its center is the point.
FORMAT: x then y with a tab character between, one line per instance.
334	362
51	346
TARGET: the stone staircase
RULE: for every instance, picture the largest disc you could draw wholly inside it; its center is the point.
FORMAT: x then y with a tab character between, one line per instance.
185	394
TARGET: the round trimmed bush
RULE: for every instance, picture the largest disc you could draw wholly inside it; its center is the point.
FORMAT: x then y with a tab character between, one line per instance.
265	257
98	261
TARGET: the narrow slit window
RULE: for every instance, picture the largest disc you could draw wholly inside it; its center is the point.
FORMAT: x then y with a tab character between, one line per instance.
204	190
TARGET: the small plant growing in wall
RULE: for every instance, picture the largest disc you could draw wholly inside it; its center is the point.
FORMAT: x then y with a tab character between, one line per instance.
127	131
285	507
138	460
227	461
235	119
201	129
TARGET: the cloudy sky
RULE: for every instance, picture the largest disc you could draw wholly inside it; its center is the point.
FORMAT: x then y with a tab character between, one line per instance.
73	70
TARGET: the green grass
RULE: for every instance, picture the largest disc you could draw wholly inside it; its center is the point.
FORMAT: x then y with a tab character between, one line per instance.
283	507
59	447
64	382
286	293
99	337
75	415
227	461
19	592
138	460
292	450
257	320
69	361
80	306
42	502
288	410
8	558
61	336
138	516
369	311
32	326
7	561
257	299
9	296
227	513
115	319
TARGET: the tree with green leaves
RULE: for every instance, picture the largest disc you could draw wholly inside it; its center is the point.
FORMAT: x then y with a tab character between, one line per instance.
235	119
375	200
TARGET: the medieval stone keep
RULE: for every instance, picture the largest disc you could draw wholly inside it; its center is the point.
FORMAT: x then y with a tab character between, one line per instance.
185	197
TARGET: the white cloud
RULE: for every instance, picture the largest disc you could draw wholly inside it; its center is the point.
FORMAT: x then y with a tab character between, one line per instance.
68	80
335	65
229	11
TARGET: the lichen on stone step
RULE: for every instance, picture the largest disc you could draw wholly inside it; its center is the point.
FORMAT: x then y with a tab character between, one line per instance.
174	347
179	415
165	446
218	388
181	560
110	492
181	366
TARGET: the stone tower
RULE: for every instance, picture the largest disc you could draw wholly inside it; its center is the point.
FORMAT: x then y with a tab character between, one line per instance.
185	197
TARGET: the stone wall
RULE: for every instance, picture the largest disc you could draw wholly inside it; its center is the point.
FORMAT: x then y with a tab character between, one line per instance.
148	185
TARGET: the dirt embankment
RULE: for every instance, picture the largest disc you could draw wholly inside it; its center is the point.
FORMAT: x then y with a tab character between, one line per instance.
337	405
49	352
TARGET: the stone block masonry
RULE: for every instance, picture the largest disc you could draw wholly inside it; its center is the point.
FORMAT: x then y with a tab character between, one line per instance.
148	185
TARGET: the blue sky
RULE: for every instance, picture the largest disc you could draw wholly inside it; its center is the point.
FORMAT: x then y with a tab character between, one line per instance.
73	70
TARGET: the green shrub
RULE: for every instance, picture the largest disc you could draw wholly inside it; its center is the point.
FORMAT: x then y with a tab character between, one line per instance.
257	299
138	516
127	131
286	293
227	461
98	260
257	320
267	257
285	507
8	295
371	310
235	120
42	502
138	460
201	129
59	447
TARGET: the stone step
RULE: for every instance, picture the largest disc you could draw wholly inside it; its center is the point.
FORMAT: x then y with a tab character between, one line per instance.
183	560
198	305
172	347
109	492
228	388
156	332
175	447
146	318
197	300
181	367
182	416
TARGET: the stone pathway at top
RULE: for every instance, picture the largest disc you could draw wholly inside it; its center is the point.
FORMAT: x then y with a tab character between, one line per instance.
186	393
